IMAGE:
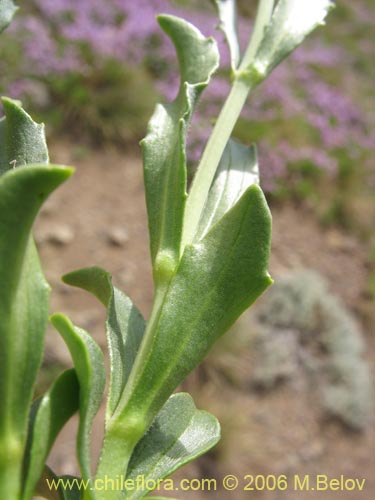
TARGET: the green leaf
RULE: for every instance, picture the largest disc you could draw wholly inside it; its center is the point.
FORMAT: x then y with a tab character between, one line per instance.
24	307
49	486
124	326
22	141
238	170
217	279
291	22
89	364
95	280
48	415
164	146
179	434
7	11
227	12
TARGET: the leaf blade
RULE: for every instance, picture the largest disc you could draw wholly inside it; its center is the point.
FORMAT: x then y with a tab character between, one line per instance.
7	11
217	279
179	434
89	364
125	326
22	141
227	12
45	487
24	302
163	147
94	280
238	169
48	415
291	22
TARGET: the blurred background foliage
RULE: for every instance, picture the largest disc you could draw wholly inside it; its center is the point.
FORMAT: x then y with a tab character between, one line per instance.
94	69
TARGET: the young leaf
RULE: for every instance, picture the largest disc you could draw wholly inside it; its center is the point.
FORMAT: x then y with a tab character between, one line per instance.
217	279
22	141
179	434
238	170
48	415
89	364
7	11
291	22
124	326
228	24
164	146
24	306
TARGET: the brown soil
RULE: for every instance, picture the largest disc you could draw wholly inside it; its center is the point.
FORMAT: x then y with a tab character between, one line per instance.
99	218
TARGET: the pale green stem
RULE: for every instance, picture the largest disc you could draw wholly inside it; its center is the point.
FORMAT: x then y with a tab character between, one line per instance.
262	20
242	85
211	158
118	447
145	347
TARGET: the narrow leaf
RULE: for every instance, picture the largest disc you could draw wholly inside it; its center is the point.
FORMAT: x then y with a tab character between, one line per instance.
24	293
164	146
89	364
94	280
227	12
124	326
22	141
217	279
7	11
179	434
48	416
24	304
238	170
51	488
291	22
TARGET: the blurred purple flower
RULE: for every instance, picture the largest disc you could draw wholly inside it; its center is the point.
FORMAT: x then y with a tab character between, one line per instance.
59	41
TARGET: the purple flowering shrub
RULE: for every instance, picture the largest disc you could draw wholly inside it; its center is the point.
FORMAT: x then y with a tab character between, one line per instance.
95	61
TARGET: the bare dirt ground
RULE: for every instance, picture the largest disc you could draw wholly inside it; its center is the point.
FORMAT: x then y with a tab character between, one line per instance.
99	218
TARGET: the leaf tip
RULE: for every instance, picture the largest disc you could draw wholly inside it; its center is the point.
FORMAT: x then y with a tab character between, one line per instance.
164	20
11	104
94	279
269	280
59	320
64	170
